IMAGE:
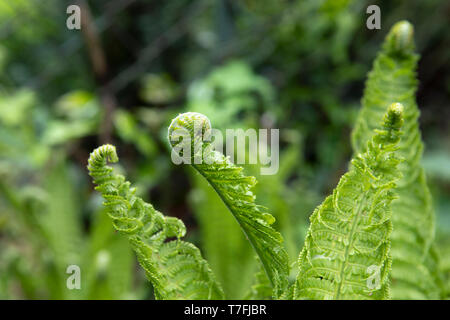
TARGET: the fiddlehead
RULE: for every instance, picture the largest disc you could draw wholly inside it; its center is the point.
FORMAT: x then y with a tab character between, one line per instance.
188	135
393	78
261	288
348	241
175	268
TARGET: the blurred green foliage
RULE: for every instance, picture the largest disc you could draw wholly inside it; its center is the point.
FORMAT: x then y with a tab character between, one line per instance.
294	65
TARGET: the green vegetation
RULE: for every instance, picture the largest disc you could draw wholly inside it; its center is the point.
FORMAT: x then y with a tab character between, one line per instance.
337	221
350	234
175	268
393	79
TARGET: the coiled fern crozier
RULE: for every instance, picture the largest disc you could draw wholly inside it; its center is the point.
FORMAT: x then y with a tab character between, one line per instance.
392	79
234	188
347	248
175	268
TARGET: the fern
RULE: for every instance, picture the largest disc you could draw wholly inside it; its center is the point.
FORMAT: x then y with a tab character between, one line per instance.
347	252
348	239
393	79
234	188
175	268
222	240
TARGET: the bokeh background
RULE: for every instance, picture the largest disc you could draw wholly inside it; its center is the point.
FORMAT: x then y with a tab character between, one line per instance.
297	65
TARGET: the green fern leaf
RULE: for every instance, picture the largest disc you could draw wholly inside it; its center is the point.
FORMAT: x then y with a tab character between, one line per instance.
261	289
393	79
223	243
234	188
175	268
348	241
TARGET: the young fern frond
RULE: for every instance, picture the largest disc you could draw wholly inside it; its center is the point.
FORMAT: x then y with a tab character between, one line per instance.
175	268
348	241
222	240
188	135
392	79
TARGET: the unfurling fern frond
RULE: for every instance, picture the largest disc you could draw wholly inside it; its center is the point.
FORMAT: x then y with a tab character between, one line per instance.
347	248
222	241
188	135
175	268
393	79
